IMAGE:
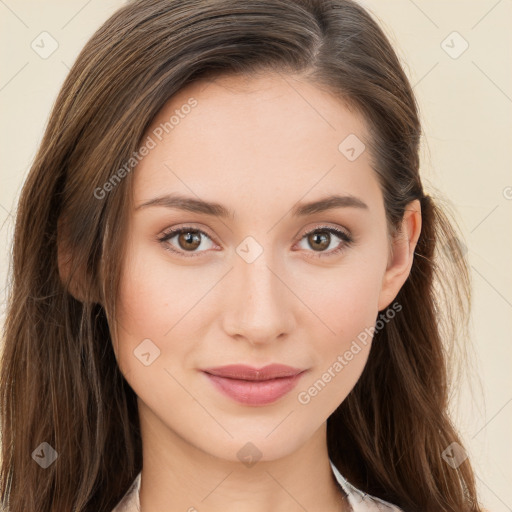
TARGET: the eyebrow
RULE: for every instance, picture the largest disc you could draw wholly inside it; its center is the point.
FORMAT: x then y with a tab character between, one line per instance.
217	210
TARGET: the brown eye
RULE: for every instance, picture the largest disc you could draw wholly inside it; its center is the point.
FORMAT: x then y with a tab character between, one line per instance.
319	240
189	240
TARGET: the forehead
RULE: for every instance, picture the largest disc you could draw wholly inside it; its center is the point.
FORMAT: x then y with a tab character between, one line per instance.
275	132
258	104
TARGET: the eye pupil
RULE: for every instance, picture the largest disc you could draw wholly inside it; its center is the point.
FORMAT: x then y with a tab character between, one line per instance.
320	236
188	238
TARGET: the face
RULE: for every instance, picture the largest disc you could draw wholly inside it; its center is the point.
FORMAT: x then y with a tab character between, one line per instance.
263	278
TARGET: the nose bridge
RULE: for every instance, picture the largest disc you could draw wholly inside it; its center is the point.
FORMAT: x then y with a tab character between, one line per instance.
260	306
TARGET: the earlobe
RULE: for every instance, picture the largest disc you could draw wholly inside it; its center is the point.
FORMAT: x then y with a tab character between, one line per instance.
401	254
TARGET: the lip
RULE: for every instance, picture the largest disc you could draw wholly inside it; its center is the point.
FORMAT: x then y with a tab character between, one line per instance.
254	386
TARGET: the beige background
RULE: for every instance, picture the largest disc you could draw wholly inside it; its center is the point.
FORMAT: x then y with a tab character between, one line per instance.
466	106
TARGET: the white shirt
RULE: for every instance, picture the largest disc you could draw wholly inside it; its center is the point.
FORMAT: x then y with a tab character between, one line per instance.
359	501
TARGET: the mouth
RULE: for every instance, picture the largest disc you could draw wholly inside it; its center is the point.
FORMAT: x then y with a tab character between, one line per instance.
252	386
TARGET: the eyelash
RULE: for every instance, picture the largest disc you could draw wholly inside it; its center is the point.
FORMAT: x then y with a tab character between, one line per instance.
345	237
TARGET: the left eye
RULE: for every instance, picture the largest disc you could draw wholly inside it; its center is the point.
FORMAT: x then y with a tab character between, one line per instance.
322	238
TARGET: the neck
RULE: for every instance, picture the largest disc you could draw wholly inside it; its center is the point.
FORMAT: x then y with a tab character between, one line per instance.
178	476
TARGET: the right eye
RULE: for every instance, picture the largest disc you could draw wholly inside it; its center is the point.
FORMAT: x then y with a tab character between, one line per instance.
187	238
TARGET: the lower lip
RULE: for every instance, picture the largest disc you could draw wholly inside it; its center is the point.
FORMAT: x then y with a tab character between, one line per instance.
261	392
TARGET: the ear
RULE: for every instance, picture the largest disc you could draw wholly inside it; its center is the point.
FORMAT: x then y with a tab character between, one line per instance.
72	283
401	256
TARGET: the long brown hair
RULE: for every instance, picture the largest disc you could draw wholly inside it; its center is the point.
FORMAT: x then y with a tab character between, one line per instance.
60	383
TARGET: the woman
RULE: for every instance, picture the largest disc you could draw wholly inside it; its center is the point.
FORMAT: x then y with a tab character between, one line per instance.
226	275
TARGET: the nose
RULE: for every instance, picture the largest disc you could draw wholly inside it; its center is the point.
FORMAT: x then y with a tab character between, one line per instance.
259	307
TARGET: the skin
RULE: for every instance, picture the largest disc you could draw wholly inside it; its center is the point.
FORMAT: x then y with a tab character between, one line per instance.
257	146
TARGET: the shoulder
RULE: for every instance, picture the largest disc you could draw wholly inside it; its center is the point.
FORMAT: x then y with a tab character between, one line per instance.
360	501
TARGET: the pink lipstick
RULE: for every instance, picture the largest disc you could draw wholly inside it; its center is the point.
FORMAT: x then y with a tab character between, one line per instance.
254	386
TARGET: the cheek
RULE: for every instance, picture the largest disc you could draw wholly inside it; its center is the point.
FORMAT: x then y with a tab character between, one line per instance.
152	299
345	299
350	306
156	294
165	303
341	355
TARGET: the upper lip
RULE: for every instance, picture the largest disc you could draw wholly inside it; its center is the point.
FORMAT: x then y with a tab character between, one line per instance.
244	372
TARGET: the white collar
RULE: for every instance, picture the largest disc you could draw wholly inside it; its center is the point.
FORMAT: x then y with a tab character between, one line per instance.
360	501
